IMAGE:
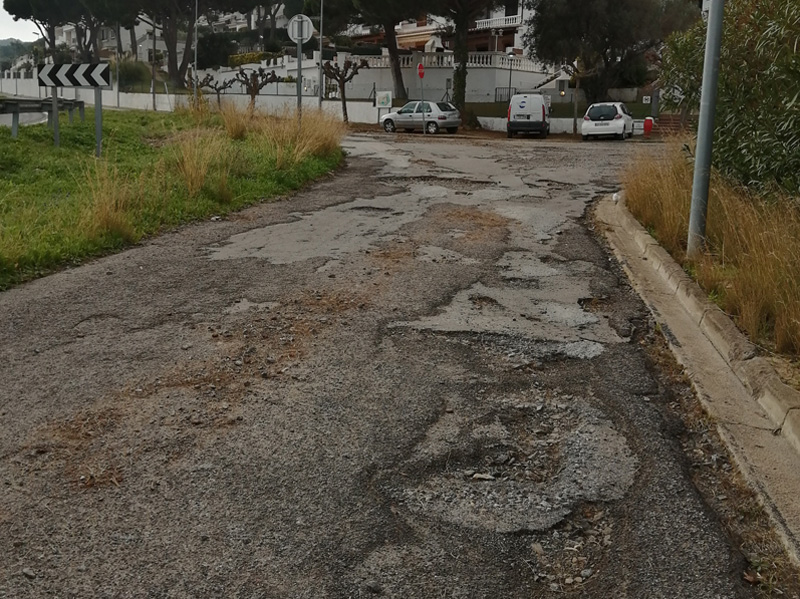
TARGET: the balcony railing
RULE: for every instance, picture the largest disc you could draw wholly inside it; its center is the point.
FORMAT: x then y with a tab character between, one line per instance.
499	22
439	60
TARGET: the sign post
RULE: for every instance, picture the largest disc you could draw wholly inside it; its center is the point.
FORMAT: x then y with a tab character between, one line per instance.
300	31
421	72
93	76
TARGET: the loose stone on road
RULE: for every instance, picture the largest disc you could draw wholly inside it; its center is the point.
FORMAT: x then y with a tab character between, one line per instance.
423	377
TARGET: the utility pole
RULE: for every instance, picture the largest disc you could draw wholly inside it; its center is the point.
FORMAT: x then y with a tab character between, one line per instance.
705	132
321	74
154	66
196	39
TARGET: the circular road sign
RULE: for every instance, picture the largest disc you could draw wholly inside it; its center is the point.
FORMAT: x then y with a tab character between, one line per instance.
421	70
301	29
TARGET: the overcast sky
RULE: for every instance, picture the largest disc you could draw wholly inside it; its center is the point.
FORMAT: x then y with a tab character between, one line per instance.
22	30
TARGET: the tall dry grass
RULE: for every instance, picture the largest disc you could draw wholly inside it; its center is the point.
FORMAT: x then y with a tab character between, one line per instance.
752	263
237	122
288	141
198	152
199	110
111	199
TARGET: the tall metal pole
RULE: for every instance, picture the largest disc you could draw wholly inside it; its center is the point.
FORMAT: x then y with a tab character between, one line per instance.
98	121
117	70
56	134
705	131
300	74
321	21
154	65
510	71
196	39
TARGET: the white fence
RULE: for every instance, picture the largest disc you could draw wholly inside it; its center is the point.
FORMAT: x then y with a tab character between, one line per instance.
358	111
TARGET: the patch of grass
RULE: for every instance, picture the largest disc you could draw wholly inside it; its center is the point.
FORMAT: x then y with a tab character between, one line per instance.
61	205
752	266
237	122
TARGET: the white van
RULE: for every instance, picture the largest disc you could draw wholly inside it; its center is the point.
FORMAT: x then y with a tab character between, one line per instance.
528	113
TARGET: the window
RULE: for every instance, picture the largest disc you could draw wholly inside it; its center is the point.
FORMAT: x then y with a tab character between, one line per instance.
602	112
408	108
512	8
426	105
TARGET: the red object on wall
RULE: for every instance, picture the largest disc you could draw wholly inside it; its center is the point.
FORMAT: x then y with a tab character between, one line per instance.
421	70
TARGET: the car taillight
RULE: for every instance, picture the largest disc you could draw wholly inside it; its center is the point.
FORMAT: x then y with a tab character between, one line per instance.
619	116
543	113
586	118
509	112
442	117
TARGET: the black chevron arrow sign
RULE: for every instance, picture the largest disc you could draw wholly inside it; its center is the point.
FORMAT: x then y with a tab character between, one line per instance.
74	75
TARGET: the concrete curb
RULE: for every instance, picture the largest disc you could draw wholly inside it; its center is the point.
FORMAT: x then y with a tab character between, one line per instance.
780	401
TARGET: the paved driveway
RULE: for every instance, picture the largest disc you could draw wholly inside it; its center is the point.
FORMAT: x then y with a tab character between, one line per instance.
419	378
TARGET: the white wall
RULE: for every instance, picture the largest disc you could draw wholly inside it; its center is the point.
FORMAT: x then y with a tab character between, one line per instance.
557	126
358	111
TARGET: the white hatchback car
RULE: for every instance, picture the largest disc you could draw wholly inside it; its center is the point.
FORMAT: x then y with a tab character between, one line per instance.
607	118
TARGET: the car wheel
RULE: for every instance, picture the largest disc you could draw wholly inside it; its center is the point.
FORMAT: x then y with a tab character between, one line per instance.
585	137
622	135
432	128
388	126
543	134
452	129
510	134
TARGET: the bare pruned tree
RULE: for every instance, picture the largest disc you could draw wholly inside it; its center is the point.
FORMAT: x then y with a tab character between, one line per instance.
218	87
254	81
343	75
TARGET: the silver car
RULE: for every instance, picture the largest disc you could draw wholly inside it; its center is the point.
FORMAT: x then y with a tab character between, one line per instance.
433	116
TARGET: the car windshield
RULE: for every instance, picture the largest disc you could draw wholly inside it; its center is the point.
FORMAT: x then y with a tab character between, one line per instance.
602	112
445	106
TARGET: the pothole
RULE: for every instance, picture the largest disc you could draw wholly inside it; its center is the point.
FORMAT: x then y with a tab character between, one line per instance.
522	466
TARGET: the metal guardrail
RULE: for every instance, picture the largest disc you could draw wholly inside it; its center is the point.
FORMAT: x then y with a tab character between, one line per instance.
17	107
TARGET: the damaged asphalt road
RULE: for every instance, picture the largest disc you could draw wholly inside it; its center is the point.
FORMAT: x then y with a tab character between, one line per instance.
420	378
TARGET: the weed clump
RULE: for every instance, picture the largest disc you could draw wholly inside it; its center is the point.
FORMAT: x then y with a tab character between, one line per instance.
752	264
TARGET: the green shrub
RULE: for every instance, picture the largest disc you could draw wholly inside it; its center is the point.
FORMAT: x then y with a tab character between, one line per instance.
238	60
757	135
133	73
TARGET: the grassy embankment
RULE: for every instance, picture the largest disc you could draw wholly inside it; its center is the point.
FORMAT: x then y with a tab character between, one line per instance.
61	205
752	267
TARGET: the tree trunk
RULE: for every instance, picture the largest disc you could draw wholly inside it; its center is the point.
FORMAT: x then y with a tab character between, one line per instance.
261	24
94	43
460	55
394	56
80	38
134	43
273	28
344	101
169	32
119	39
188	56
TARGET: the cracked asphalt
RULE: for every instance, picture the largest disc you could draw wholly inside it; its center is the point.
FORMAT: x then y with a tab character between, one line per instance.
421	377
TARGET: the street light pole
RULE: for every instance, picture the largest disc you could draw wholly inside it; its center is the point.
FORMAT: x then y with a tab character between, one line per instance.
705	131
196	40
511	56
321	21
